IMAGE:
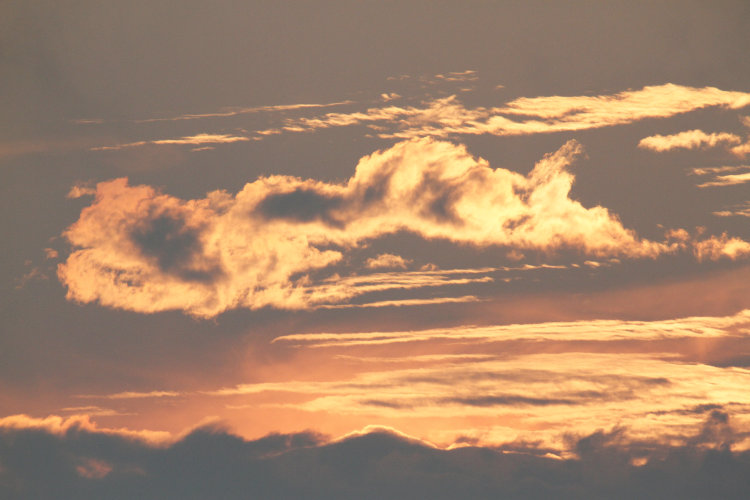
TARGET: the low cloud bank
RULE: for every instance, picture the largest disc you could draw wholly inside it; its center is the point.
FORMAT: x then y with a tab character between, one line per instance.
212	463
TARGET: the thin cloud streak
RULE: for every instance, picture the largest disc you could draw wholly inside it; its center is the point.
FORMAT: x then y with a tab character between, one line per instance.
194	140
578	393
690	139
407	302
598	331
448	117
727	180
247	110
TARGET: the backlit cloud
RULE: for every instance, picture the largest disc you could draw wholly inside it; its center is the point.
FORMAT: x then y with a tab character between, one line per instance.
725	179
139	249
597	331
246	110
193	140
212	462
448	117
690	139
387	260
742	209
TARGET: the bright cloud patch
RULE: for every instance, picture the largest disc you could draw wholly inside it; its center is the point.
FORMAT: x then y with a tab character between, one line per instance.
139	249
691	139
448	117
193	140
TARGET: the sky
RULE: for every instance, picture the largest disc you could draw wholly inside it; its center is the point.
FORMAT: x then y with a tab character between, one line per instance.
374	249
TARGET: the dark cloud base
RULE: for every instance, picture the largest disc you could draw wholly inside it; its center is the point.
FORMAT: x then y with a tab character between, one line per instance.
211	463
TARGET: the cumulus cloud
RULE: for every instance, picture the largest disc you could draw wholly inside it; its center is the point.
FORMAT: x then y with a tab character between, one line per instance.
448	117
690	139
139	249
723	246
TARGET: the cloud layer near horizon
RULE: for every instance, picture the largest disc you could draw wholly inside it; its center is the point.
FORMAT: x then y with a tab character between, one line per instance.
139	249
84	462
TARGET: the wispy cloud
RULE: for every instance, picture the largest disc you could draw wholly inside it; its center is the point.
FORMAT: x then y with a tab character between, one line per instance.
728	179
245	110
134	395
596	331
690	139
571	392
407	302
193	140
448	117
742	209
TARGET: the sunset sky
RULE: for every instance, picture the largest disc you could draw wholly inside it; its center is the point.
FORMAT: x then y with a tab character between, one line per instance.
375	249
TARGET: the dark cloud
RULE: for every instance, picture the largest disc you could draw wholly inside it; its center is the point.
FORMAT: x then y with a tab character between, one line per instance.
211	463
302	205
511	400
175	247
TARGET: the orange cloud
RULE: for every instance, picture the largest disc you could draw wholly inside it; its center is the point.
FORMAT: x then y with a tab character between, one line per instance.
690	139
742	209
448	117
188	140
715	248
61	426
727	180
575	331
387	260
139	249
241	111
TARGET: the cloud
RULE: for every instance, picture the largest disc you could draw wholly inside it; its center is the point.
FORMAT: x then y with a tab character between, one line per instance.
408	302
575	331
65	426
139	249
135	395
557	394
249	110
387	260
193	140
742	209
81	189
448	117
690	139
727	180
376	462
720	177
715	248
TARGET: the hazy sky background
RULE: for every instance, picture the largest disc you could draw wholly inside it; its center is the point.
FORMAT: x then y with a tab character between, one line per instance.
454	229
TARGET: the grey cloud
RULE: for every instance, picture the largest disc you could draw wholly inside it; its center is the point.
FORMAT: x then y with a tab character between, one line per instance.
511	400
211	463
175	247
302	205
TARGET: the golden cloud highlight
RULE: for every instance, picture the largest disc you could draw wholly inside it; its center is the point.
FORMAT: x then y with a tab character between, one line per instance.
690	139
193	140
139	249
448	117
